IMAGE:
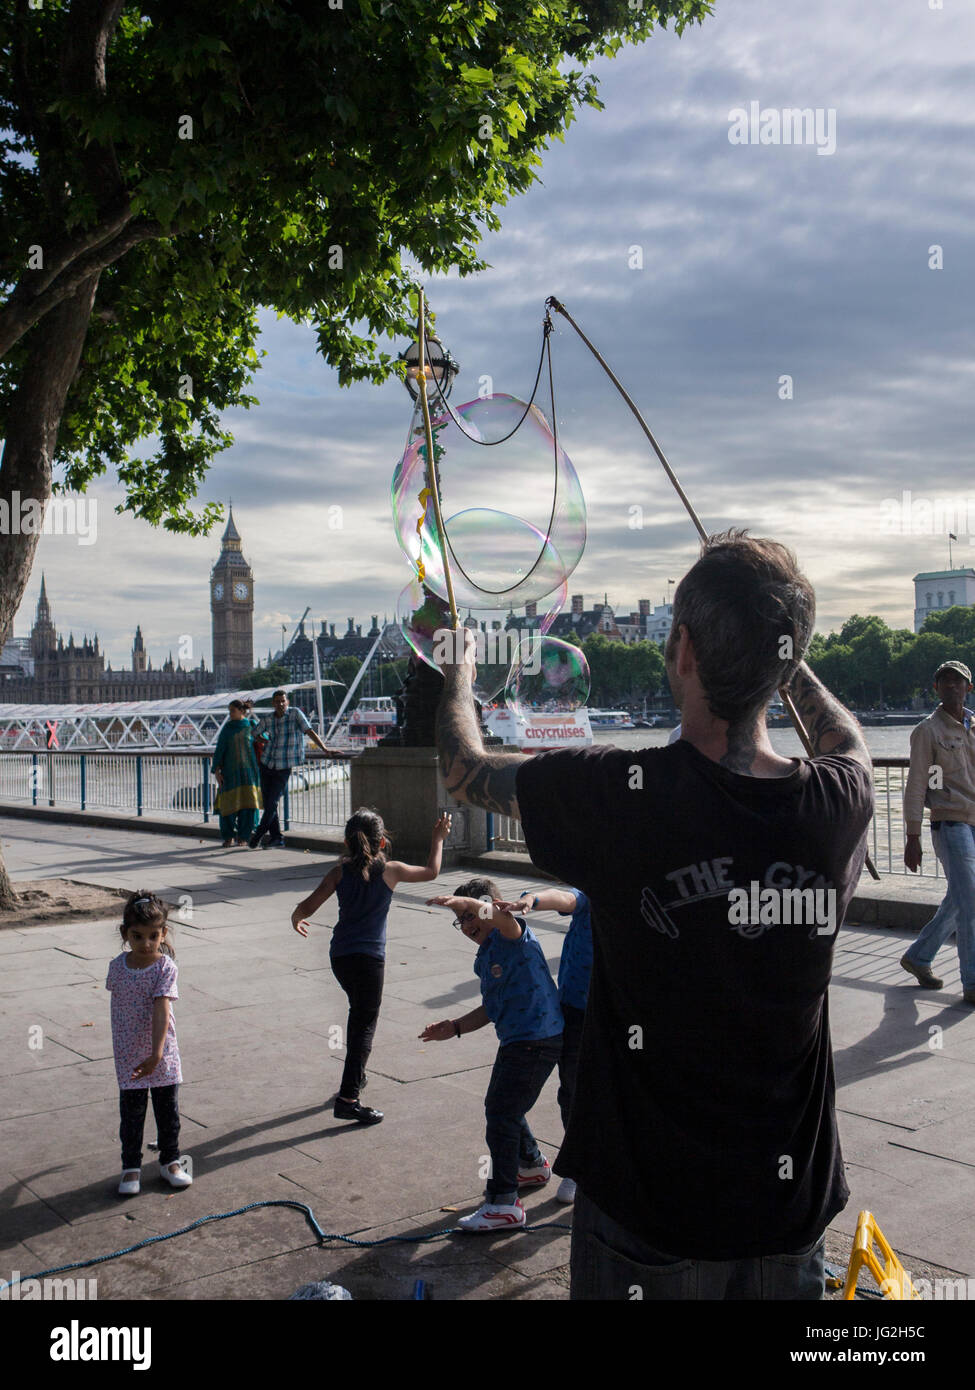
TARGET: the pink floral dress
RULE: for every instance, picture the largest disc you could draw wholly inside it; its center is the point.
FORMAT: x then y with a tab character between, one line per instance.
133	995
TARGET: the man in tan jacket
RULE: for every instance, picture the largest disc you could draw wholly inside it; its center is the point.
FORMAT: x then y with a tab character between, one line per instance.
942	777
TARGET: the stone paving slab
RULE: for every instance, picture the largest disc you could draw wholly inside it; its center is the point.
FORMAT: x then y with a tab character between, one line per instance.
53	1137
360	1179
30	1061
217	1248
13	943
953	1138
85	1189
374	1275
919	1216
51	969
456	1265
925	1091
66	1244
47	1092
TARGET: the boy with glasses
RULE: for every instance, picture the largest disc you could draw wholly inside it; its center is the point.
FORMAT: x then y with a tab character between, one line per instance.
519	997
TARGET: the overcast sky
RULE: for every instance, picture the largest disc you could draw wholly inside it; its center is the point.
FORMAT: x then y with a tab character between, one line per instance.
759	262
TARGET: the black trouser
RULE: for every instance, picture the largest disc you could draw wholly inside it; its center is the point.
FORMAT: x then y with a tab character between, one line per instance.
520	1071
362	979
273	782
165	1107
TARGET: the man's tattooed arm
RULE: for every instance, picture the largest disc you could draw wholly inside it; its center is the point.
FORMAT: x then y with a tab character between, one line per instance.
830	725
471	773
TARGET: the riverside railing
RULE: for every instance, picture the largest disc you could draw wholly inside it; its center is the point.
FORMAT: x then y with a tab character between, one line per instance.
178	785
181	785
885	838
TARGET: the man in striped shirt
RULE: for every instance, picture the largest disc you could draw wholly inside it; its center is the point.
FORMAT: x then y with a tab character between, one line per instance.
285	749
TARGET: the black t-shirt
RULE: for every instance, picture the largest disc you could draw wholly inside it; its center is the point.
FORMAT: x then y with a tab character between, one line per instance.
703	1117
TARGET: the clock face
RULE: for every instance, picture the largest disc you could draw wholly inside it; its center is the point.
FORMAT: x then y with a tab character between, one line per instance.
240	591
218	591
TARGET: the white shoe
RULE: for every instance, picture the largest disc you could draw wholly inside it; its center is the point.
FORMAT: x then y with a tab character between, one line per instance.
494	1218
535	1177
130	1186
567	1192
180	1178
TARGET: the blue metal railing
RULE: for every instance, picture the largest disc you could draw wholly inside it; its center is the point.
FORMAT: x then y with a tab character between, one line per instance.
179	785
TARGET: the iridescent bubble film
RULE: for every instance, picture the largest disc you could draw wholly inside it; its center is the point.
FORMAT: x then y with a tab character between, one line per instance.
548	676
497	557
425	623
421	615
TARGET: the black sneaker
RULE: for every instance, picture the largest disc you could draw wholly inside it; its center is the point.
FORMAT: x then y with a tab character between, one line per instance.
352	1110
254	841
273	844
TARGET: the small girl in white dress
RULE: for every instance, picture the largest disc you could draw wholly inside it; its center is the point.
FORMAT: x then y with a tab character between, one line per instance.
142	981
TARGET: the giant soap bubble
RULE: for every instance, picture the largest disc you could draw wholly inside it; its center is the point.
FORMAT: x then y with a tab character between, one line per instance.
425	623
496	557
548	676
424	620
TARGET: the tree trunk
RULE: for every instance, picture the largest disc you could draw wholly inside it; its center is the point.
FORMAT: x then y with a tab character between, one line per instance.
54	351
8	898
33	422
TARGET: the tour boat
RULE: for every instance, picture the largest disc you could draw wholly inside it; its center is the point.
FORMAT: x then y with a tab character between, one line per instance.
611	719
538	733
373	718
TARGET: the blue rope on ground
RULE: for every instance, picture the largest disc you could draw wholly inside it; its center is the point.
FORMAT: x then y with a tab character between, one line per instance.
309	1216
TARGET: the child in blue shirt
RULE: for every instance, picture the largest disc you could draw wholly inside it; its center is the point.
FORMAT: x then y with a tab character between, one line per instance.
518	996
575	968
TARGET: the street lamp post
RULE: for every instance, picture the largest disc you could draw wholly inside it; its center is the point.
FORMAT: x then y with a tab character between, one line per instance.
419	695
402	777
439	367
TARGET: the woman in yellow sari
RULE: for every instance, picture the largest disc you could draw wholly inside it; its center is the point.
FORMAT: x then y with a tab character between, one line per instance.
235	768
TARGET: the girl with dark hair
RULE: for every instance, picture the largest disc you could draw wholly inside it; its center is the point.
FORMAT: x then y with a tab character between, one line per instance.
363	881
142	981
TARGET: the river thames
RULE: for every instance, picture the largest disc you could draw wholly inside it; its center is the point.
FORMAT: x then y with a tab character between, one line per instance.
882	743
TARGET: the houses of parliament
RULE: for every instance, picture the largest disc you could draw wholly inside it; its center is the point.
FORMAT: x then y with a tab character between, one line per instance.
43	669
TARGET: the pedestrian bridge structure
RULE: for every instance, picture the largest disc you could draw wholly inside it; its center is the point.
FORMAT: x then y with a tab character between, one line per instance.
189	722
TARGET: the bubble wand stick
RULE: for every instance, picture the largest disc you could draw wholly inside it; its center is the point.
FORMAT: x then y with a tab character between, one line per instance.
553	303
433	481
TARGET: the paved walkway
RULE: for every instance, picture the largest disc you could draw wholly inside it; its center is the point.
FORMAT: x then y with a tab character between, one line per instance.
257	1006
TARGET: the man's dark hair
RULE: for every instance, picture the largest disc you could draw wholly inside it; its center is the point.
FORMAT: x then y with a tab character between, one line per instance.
279	692
742	598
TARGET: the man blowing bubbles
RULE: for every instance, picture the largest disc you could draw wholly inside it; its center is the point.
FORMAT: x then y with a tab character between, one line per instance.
702	1135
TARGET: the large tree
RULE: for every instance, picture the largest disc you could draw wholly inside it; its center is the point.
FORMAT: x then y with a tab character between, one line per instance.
168	168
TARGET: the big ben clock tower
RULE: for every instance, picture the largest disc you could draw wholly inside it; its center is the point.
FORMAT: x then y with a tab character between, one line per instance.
232	611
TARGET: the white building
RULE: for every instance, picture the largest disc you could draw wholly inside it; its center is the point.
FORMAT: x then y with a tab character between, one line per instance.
16	656
942	589
648	624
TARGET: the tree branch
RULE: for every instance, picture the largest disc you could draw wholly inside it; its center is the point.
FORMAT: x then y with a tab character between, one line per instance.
21	313
62	255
